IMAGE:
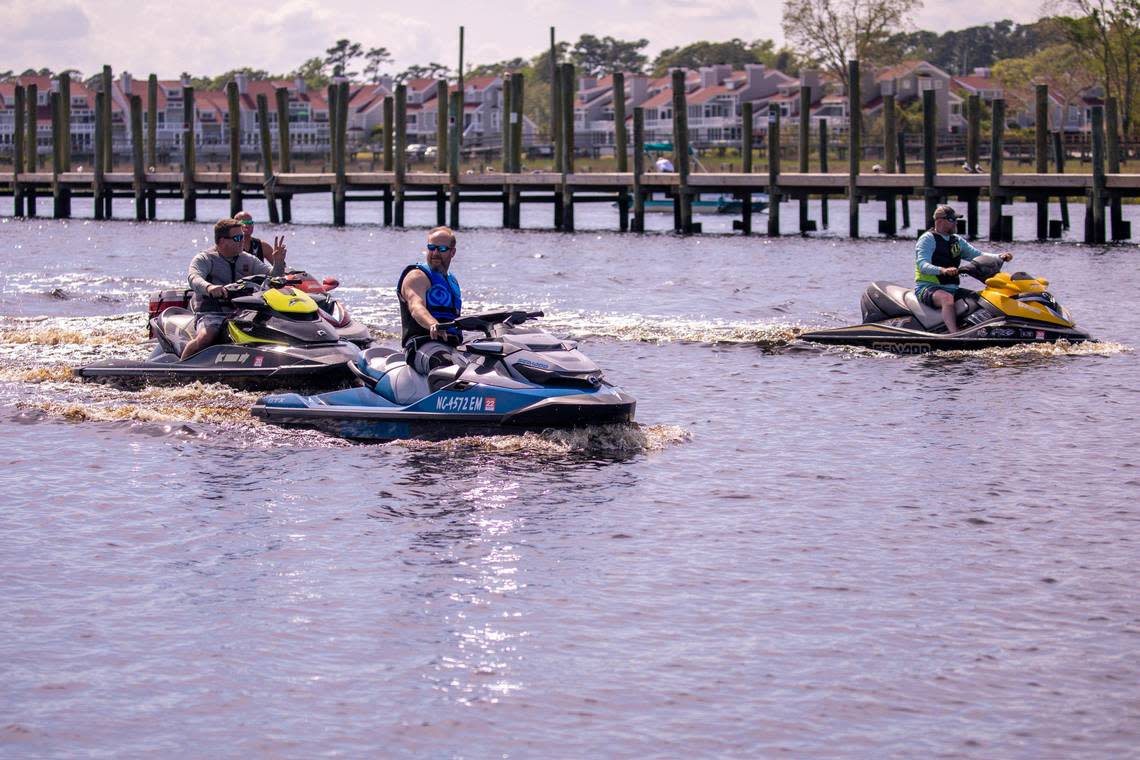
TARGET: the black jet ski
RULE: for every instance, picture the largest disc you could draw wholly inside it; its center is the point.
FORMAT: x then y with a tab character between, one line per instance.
1009	311
275	334
515	379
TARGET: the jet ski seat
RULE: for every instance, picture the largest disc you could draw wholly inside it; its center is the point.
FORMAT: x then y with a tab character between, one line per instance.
176	325
928	316
441	377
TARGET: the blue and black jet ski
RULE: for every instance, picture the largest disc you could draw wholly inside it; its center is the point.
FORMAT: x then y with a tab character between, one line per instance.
516	378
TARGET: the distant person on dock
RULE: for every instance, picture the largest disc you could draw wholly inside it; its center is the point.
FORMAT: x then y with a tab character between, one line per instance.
428	295
218	266
663	164
937	255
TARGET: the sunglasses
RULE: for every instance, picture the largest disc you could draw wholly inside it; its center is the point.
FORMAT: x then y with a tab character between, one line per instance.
440	248
246	222
950	218
238	238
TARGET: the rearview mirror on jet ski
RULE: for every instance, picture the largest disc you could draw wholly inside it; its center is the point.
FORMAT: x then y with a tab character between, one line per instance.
1010	310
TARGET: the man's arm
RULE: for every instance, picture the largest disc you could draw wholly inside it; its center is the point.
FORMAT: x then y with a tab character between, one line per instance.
199	271
414	292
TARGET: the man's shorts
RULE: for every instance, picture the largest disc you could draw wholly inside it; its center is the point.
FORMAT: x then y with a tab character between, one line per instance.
209	319
926	295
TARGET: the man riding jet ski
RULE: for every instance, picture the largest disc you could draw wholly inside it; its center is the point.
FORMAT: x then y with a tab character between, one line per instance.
939	315
508	379
241	329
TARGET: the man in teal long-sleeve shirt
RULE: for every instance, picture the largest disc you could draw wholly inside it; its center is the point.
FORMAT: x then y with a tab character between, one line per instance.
936	258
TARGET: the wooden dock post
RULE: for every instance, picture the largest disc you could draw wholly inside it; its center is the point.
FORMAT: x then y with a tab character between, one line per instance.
390	151
234	113
1120	230
401	149
341	156
773	170
1095	232
683	201
189	192
33	144
332	96
65	133
805	155
1059	162
902	170
854	146
138	179
505	114
454	122
108	140
151	140
458	135
997	149
18	152
823	216
931	194
56	159
284	148
441	155
639	168
621	148
973	155
555	113
266	140
746	165
890	225
1041	150
567	89
519	92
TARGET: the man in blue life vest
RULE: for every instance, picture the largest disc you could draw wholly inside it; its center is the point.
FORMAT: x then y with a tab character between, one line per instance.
937	255
429	295
213	269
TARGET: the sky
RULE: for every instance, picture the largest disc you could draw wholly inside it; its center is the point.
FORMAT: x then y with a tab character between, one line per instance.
208	37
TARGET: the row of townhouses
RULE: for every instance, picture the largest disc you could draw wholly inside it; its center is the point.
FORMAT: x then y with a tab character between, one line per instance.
308	113
715	97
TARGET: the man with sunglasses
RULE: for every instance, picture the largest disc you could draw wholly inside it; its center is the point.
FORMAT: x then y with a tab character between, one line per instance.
213	269
428	295
937	255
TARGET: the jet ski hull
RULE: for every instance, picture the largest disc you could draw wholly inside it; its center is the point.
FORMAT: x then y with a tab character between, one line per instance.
901	340
358	413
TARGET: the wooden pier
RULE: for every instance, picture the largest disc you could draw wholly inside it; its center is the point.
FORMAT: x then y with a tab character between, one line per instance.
1102	189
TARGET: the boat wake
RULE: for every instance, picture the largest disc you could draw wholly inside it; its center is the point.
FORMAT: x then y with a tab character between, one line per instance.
598	440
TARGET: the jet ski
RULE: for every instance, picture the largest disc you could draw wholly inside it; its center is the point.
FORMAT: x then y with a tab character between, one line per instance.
332	309
516	378
1012	309
276	334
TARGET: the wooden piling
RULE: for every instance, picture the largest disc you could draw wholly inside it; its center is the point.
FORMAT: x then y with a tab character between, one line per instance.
1059	163
1095	233
519	83
902	170
442	96
805	154
65	139
463	100
555	114
746	165
151	140
33	144
389	153
234	112
567	89
266	140
931	195
773	170
284	148
1112	135
973	155
108	139
341	157
997	148
189	193
56	159
639	168
854	146
138	180
683	201
890	226
401	149
621	148
505	115
1041	150
823	216
18	152
455	122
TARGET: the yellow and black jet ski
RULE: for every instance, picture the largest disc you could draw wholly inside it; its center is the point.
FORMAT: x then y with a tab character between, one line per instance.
275	333
1012	309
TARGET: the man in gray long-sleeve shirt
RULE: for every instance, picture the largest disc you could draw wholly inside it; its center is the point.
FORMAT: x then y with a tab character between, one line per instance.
213	269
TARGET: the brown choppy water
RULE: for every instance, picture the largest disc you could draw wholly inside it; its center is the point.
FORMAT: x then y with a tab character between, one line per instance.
795	551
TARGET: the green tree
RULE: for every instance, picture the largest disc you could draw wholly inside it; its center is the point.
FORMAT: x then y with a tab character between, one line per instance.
735	52
340	57
374	59
1062	67
313	72
832	32
596	57
432	70
1110	32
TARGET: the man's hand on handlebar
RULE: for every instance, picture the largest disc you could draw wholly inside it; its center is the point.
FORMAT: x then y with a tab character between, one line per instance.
1005	256
217	291
949	271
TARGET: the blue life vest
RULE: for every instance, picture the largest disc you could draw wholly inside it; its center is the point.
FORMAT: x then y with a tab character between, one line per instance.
444	302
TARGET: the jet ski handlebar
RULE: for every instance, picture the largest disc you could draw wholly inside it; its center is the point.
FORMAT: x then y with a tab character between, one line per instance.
485	321
983	267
